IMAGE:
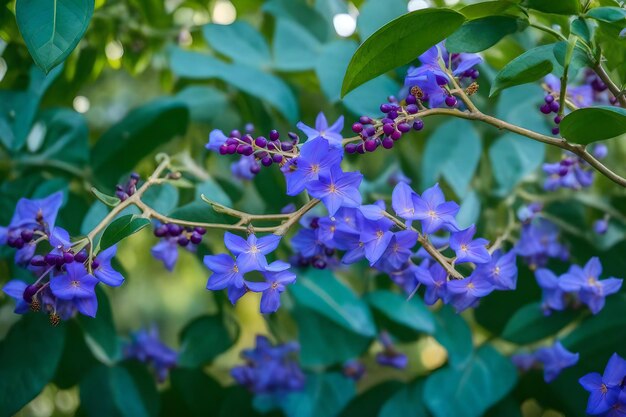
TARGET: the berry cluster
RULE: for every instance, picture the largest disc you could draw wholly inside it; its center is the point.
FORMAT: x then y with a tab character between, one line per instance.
572	171
551	105
130	188
172	237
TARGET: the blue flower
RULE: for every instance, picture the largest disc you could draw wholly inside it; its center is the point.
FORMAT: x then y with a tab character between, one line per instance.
435	279
337	189
465	293
399	249
77	285
501	270
554	359
251	252
317	160
226	272
216	139
15	289
586	281
390	356
331	133
605	389
103	270
553	297
403	201
276	277
434	212
468	250
375	236
146	346
167	252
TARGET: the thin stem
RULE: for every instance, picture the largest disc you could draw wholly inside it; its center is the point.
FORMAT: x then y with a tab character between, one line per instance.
549	31
613	88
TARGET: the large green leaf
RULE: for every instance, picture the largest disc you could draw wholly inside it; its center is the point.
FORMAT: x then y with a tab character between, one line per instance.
203	340
239	41
299	11
412	314
264	86
100	333
192	393
203	102
452	156
591	124
526	68
29	355
493	8
407	402
607	14
514	157
142	131
76	360
398	43
370	403
482	382
555	6
529	324
480	34
52	29
374	14
121	229
295	49
453	333
324	396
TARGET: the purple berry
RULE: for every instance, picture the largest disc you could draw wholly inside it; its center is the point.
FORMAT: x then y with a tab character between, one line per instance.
418	124
274	135
393	114
600	151
235	134
286	146
319	264
370	131
555	130
224	149
554	106
395	135
292	136
199	230
364	120
404	127
261	142
387	143
545	109
195	238
412	108
557	119
410	99
357	127
95	264
278	158
80	256
183	240
370	145
450	101
68	257
386	108
161	231
351	148
29	292
267	161
549	98
232	149
388	129
27	235
174	229
361	148
255	169
37	260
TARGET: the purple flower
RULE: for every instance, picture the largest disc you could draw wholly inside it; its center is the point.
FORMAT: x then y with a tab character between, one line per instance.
434	212
78	286
352	244
554	359
539	240
468	250
375	236
501	270
317	160
276	276
331	133
604	389
337	189
524	361
553	297
403	201
406	278
15	289
465	293
353	369
216	139
399	248
581	96
244	168
435	279
390	356
251	252
167	252
226	272
601	226
103	269
306	242
146	346
586	281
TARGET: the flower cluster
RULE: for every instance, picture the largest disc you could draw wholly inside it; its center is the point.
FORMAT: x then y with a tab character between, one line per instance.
539	238
577	285
229	273
66	277
171	237
270	369
553	359
390	355
146	346
432	80
571	171
607	395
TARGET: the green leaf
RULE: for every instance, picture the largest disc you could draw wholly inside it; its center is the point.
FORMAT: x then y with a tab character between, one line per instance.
555	6
362	100
299	11
118	387
526	68
121	229
295	49
513	158
412	314
199	211
144	380
253	81
374	14
482	382
480	34
194	394
100	333
109	200
453	333
52	29
239	41
163	198
27	364
213	191
202	102
323	293
529	324
370	402
592	124
607	14
452	156
469	211
406	402
398	43
76	360
493	8
203	339
324	396
142	131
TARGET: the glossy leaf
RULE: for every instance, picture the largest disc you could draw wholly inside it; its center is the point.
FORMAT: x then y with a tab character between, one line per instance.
453	333
526	68
239	41
25	366
203	340
295	49
369	403
607	14
142	131
52	29
374	14
109	200
513	158
555	6
493	8
100	333
324	396
299	11
202	102
121	229
482	382
480	34
592	124
411	313
529	324
398	43
406	402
